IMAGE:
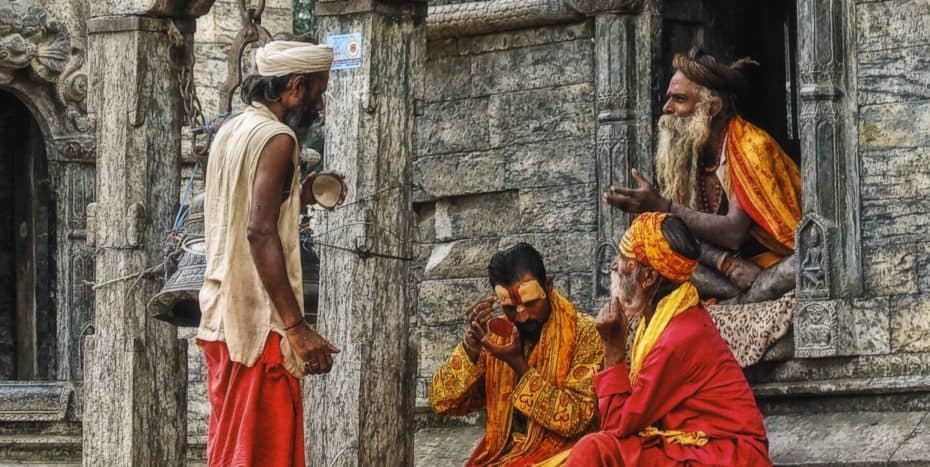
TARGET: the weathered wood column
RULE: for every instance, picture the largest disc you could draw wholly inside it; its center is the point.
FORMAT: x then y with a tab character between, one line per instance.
624	42
359	414
135	367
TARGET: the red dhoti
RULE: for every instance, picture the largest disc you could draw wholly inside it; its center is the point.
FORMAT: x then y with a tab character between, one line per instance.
256	413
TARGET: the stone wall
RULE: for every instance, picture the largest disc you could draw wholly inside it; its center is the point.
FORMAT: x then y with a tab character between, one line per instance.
894	119
504	153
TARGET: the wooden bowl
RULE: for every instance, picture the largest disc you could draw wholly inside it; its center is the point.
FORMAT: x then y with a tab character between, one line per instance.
327	190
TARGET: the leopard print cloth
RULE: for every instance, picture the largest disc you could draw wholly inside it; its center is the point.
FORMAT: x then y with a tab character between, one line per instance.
751	328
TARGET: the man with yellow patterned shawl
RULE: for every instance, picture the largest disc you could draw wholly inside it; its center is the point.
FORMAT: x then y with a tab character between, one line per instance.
727	179
683	399
531	369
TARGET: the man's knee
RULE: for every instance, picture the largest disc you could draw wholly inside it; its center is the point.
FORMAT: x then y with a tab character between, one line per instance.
594	450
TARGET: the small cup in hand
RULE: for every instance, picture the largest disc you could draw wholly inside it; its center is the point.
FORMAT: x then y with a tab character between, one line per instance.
501	330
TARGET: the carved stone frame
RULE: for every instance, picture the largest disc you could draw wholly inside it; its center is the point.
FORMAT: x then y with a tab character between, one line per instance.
828	237
48	78
624	51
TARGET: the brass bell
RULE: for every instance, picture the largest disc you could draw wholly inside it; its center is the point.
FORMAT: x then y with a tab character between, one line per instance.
178	302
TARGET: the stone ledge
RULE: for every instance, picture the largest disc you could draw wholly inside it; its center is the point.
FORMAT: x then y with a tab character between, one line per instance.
860	439
41	449
843	387
34	401
863	438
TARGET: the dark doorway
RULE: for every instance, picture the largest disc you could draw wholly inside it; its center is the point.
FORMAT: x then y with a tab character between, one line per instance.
731	29
27	317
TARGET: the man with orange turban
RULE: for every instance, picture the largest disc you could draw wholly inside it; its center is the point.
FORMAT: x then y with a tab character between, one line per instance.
530	368
683	399
727	179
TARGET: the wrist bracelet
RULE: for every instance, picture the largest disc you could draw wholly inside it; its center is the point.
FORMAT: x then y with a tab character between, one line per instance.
729	265
298	323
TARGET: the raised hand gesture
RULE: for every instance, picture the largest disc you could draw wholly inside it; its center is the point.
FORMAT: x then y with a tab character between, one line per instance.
612	325
643	198
478	313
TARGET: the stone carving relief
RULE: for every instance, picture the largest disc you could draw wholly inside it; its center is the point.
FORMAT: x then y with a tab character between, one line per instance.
814	268
815	329
591	7
613	99
38	59
821	72
604	254
481	17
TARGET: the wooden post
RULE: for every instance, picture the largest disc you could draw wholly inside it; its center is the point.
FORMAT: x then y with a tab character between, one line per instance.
359	415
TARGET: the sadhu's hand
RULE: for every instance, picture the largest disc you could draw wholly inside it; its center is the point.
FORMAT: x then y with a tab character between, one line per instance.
743	273
479	313
510	353
345	188
612	325
315	351
643	198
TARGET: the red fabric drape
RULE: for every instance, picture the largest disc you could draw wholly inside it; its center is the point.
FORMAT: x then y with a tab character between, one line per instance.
256	413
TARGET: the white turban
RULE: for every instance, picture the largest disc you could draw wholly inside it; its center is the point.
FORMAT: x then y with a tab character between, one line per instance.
279	58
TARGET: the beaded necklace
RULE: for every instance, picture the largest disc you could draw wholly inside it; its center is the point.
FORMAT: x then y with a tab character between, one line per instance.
711	203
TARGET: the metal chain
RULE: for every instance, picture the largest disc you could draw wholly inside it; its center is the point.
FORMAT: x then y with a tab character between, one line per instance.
188	88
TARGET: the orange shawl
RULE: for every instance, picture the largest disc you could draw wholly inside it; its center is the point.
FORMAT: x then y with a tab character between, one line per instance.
767	184
552	358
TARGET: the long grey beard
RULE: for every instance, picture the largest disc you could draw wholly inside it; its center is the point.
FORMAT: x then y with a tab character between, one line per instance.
681	141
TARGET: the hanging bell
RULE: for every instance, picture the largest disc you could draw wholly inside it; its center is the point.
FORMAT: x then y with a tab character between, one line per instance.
177	302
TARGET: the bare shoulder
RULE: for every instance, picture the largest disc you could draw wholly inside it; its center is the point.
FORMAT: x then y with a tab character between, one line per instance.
279	144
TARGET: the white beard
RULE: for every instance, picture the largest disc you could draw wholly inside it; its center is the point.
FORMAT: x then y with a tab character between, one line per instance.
679	147
632	316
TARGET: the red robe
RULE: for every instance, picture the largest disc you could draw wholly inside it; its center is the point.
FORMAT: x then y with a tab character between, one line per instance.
256	413
690	382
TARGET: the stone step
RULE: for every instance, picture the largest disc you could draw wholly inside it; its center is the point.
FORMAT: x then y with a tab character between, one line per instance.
821	440
52	450
860	439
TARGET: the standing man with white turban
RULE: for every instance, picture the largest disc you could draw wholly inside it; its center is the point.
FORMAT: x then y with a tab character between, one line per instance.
254	338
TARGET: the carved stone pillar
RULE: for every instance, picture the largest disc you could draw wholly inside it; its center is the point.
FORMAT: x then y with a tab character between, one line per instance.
135	367
624	37
827	243
360	413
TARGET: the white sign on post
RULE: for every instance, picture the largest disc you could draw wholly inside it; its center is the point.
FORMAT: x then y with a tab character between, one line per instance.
347	50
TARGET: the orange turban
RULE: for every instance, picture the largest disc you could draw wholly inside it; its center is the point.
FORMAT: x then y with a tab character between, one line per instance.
644	242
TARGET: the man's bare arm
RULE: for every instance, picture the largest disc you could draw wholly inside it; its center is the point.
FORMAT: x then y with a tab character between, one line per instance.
272	178
728	231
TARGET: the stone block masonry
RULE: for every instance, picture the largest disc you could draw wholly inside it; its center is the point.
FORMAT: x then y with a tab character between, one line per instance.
504	152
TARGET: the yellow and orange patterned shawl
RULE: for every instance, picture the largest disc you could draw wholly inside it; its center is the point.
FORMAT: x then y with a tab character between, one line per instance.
552	358
767	184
